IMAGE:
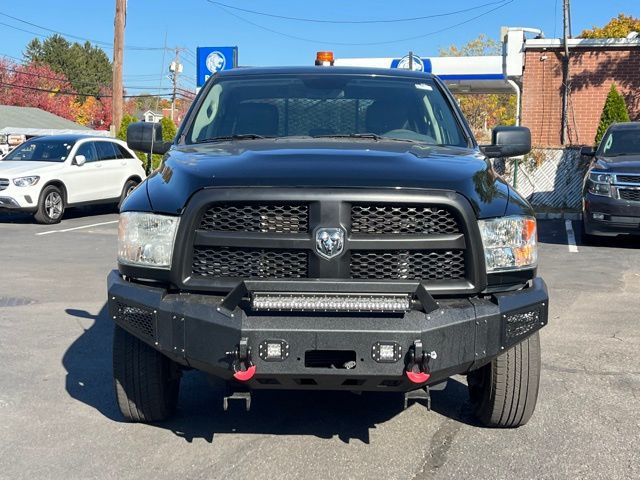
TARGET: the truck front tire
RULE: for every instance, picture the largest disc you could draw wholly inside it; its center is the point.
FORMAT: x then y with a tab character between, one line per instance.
146	382
504	392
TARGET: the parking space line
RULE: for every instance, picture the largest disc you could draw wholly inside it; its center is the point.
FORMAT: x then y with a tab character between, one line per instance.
77	228
571	237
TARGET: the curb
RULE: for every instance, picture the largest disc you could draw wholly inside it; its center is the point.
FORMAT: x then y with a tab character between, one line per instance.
558	215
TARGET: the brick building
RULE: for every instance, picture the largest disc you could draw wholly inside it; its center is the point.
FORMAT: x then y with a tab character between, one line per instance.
595	64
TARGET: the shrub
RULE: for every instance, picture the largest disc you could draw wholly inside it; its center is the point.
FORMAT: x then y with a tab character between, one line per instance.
615	110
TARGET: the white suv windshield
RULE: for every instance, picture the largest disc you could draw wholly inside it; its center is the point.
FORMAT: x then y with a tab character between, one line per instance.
325	105
41	150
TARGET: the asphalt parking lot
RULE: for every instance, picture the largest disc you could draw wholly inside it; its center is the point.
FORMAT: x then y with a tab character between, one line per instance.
58	417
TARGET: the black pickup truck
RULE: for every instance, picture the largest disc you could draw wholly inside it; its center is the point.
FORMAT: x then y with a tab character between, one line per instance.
327	228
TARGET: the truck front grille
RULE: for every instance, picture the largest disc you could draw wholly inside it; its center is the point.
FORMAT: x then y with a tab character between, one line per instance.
4	183
256	218
408	264
228	262
389	237
629	194
402	219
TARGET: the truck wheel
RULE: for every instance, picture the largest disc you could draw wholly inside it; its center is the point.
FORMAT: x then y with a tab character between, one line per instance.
146	382
504	392
50	206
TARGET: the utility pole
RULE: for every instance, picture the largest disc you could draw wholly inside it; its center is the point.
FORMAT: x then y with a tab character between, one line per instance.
566	78
118	49
176	69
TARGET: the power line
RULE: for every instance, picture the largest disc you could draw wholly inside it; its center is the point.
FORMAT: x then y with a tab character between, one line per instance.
86	83
49	77
67	92
11	57
76	37
504	3
392	20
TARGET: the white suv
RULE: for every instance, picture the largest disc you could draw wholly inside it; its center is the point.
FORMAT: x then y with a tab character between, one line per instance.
45	175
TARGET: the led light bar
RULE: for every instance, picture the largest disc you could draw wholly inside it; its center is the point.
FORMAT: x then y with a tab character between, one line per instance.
334	302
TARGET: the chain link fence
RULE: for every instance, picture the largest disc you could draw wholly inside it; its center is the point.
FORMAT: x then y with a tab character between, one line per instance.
550	178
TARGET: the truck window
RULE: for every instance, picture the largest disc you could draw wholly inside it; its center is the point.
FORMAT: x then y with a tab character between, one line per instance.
327	105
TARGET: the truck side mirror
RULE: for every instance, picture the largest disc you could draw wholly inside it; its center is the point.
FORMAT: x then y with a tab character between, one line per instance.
588	152
146	137
508	142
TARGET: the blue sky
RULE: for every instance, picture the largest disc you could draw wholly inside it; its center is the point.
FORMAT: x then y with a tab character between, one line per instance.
193	23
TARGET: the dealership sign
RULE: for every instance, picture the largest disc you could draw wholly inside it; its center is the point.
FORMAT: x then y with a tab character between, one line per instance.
213	60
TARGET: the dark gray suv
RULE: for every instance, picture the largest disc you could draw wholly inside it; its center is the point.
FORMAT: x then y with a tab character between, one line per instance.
611	196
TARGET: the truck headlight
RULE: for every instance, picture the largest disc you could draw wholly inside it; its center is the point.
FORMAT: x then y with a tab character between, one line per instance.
599	183
146	239
25	181
510	243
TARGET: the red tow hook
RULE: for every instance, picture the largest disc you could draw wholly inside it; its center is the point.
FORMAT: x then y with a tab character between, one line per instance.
417	377
418	368
243	358
245	375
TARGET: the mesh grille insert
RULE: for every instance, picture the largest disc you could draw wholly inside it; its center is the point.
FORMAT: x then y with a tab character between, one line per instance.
408	264
138	319
216	262
631	195
518	324
256	218
391	219
628	178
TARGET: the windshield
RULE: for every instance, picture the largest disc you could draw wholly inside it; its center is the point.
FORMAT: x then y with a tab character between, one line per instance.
620	142
326	106
41	150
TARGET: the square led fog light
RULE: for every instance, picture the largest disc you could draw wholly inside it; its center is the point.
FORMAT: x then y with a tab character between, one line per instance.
386	352
273	350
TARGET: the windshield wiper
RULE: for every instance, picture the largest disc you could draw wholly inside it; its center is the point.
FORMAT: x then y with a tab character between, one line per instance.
238	136
373	136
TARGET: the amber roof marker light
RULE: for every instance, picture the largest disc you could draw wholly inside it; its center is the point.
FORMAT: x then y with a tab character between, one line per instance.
324	59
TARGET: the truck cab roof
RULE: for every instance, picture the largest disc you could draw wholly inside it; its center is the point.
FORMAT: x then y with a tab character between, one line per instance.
317	70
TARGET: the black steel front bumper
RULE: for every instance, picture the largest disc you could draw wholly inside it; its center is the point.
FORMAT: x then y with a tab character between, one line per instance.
194	331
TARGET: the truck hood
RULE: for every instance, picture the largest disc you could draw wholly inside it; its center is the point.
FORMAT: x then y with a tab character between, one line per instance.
12	169
305	163
620	164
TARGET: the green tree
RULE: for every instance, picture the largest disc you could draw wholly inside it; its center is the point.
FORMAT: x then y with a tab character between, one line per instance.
480	46
126	120
169	129
483	111
615	110
618	27
87	67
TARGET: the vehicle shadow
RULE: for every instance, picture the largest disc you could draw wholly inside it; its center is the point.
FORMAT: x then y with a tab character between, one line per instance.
554	232
200	415
8	216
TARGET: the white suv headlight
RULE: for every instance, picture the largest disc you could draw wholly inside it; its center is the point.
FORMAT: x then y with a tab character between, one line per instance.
146	239
510	243
25	181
